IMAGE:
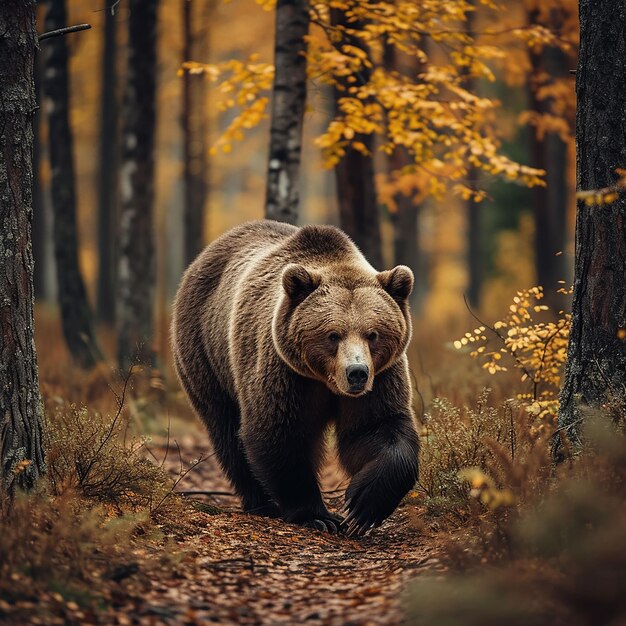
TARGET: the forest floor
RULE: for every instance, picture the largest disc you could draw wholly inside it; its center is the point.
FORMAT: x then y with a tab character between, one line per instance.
241	569
107	541
199	560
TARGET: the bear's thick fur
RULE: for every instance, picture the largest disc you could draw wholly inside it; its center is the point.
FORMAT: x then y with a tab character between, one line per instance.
280	331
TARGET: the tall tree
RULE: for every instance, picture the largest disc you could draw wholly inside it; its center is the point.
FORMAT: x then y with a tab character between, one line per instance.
406	216
136	269
550	154
287	115
472	206
76	315
20	401
194	125
354	173
107	173
596	365
39	215
474	242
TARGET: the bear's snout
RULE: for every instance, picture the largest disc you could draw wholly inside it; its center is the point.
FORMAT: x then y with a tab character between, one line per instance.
357	375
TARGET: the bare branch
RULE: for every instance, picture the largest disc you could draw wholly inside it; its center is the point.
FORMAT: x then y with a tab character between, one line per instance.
64	31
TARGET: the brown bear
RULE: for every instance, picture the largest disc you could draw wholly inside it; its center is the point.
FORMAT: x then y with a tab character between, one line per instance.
280	331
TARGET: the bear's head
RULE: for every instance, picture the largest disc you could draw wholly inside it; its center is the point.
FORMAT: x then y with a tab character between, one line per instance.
342	325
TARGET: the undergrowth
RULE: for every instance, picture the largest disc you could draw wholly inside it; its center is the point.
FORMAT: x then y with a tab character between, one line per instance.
536	346
481	452
532	542
90	523
565	558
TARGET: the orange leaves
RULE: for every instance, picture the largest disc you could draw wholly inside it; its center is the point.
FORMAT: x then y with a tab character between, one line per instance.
606	195
428	109
431	113
240	85
537	348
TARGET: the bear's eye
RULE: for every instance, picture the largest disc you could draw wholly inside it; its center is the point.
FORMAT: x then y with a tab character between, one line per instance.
373	336
334	337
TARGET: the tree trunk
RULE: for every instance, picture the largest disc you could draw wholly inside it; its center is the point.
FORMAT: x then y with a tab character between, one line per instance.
596	365
194	125
76	316
474	243
288	103
107	174
136	270
550	202
356	188
39	214
405	220
473	208
20	400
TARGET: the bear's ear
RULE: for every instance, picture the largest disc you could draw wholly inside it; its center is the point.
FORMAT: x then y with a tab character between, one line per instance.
298	282
398	282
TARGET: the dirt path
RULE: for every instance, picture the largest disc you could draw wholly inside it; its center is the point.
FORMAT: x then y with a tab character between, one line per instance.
240	569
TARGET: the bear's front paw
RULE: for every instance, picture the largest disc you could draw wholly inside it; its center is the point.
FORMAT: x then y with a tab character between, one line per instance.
324	521
369	501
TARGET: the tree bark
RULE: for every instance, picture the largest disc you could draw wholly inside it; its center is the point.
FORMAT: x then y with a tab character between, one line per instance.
596	365
405	220
76	316
20	401
549	202
474	243
39	213
356	188
136	270
473	208
194	125
107	174
287	117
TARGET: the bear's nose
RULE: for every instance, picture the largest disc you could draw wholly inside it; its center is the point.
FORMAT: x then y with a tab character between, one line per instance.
357	376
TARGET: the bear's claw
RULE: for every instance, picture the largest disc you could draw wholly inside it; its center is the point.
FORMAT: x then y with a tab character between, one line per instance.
327	522
325	525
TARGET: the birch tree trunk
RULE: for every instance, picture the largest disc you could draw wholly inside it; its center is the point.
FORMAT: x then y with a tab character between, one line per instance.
107	174
136	269
356	188
20	401
288	103
595	373
76	315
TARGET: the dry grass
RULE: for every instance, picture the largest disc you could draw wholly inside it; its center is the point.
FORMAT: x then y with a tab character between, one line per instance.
559	547
532	543
90	522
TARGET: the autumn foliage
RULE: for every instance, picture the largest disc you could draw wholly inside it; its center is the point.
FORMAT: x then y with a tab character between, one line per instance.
537	348
433	112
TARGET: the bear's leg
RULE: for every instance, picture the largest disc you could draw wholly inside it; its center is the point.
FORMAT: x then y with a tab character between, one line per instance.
229	450
220	415
383	461
285	459
378	445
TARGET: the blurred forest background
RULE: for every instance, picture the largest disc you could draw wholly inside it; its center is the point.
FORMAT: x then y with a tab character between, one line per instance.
477	233
437	134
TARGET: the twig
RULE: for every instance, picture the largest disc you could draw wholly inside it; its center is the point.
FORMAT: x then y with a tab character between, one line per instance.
64	31
502	339
560	326
206	493
567	426
109	8
180	477
120	406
